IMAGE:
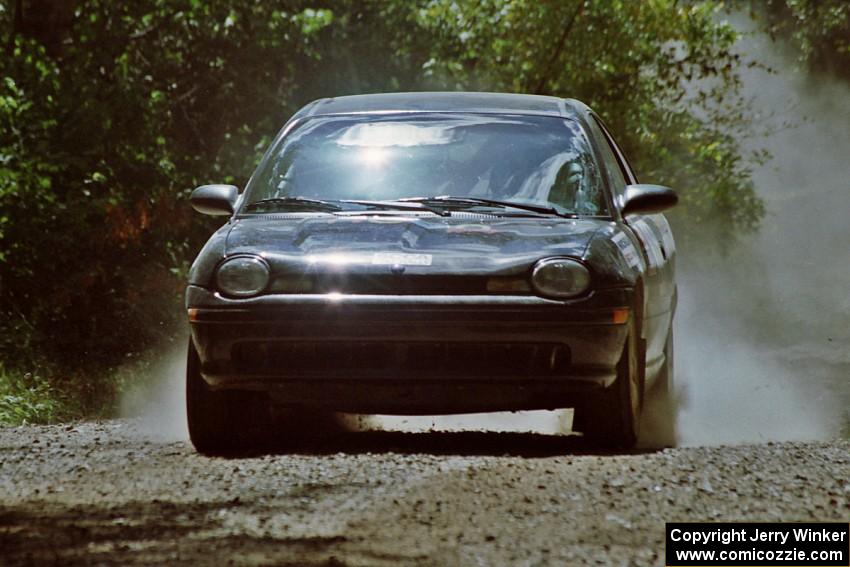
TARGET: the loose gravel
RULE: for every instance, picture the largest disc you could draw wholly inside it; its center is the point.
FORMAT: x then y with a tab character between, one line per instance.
106	493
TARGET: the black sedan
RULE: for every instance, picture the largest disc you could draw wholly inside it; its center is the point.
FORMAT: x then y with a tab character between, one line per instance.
430	253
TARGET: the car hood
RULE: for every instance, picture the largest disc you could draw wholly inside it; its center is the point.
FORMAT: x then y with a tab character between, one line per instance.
460	244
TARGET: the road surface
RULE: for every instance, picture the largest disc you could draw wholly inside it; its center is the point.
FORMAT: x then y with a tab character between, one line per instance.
108	493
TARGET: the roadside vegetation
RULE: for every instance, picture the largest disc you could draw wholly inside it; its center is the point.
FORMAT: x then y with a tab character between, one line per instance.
27	398
111	112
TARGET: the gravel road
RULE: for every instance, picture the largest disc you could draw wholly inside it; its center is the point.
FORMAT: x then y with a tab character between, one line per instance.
107	493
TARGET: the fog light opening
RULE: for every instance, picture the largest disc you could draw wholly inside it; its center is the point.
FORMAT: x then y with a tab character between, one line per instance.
559	359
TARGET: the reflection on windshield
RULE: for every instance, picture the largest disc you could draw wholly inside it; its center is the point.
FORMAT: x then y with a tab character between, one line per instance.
530	159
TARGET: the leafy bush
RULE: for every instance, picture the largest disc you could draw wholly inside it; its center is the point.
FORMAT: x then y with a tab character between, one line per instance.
27	398
819	29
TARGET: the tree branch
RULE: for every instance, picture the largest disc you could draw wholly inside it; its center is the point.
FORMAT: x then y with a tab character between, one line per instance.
560	48
17	24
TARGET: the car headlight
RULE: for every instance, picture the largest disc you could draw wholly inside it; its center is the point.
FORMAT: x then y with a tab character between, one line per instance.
242	276
560	277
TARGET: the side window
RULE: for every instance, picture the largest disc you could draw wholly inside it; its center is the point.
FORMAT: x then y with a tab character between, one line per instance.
625	168
613	171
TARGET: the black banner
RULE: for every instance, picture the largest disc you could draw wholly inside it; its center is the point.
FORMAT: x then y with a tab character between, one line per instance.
758	544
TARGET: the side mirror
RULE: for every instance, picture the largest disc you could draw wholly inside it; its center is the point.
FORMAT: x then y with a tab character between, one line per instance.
647	199
215	199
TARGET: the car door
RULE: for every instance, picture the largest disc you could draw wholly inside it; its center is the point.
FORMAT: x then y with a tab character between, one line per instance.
659	250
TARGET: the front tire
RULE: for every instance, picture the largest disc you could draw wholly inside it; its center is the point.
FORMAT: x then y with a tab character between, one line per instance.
610	417
223	422
661	410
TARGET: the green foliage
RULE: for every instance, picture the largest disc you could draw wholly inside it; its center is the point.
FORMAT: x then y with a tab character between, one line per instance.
819	29
662	74
111	112
27	398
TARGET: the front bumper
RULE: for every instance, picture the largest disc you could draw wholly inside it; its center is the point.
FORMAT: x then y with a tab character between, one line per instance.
410	354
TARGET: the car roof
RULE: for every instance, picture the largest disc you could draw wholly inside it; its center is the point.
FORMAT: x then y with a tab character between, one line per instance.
442	102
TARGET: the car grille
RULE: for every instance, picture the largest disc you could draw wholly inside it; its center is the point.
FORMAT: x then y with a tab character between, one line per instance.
391	284
400	360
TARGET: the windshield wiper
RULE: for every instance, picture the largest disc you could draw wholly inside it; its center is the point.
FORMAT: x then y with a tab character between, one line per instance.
474	201
437	204
296	202
307	204
401	205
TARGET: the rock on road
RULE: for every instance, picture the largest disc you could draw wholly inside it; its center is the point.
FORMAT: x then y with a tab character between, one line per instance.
106	493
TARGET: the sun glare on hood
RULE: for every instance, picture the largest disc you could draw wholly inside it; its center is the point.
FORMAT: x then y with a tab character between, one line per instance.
373	157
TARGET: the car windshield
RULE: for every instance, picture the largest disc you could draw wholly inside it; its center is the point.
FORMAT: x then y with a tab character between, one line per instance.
521	159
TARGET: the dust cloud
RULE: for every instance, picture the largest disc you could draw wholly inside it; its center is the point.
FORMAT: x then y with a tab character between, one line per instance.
157	397
762	333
